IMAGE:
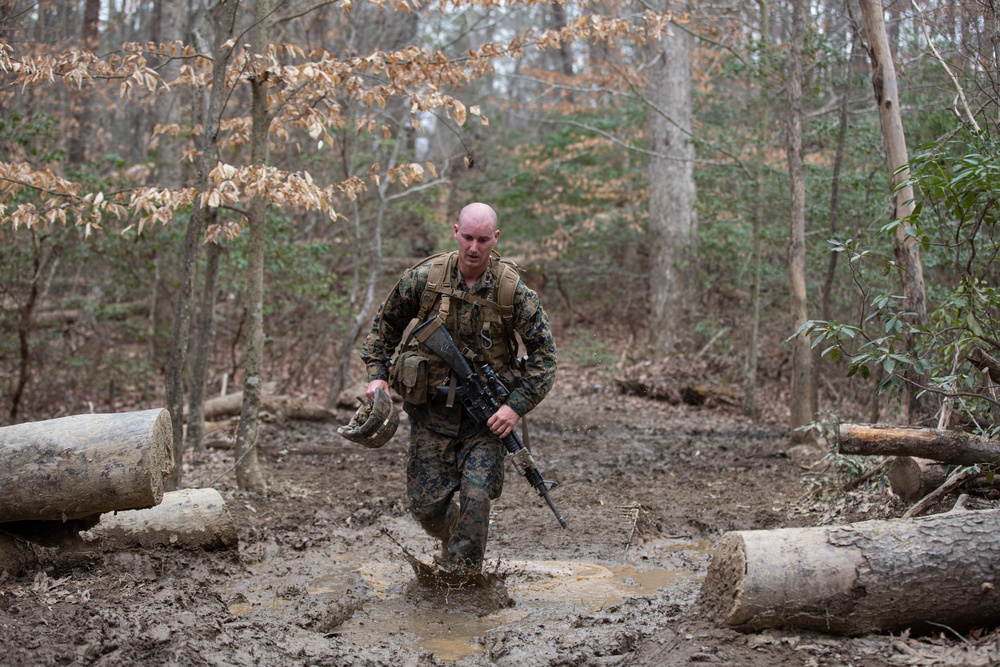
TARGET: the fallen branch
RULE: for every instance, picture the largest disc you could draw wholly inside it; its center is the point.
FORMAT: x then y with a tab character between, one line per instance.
284	407
954	447
956	480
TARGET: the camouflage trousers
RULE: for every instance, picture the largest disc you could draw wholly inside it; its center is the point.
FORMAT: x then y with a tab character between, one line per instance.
441	467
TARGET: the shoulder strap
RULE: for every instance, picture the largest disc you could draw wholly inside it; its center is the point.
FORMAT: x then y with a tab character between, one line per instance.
506	286
438	282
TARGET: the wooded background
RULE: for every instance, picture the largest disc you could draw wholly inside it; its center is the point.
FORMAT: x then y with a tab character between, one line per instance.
207	195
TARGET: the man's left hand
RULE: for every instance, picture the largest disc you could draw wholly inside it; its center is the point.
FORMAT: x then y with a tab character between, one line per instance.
503	421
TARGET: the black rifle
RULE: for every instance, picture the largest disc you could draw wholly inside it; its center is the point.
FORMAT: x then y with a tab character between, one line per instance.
481	398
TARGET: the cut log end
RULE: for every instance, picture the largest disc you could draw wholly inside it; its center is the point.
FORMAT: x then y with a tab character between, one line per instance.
720	594
911	478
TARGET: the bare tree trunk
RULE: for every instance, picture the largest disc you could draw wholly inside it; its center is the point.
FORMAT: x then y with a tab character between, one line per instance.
563	58
24	325
203	344
179	343
248	473
672	218
991	22
224	19
905	246
167	25
750	362
803	389
831	268
81	98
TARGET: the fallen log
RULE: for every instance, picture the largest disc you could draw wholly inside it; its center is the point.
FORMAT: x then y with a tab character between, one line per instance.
912	478
186	519
80	466
284	407
955	447
873	576
189	518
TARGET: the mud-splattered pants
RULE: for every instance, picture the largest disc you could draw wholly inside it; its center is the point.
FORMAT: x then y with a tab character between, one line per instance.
441	466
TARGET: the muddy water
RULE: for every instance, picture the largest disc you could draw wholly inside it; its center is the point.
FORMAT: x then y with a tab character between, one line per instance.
452	623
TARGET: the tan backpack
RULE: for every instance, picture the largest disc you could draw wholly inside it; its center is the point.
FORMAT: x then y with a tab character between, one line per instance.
413	375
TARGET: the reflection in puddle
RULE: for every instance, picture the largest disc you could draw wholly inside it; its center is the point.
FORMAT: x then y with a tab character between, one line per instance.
450	624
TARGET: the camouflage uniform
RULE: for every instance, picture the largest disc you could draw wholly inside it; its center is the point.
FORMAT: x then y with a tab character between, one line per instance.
448	452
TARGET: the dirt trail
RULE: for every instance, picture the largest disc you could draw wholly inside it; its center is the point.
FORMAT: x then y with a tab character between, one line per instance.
645	488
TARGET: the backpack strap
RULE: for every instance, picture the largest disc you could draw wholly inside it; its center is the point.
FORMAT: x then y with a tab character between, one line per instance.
506	286
438	282
505	292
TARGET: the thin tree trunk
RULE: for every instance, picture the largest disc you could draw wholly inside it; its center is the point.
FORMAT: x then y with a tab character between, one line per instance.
248	474
562	56
802	401
81	97
672	217
203	344
831	267
991	21
905	246
224	19
24	325
750	362
749	404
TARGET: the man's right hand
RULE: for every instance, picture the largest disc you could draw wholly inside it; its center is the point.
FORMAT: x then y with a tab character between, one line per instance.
375	385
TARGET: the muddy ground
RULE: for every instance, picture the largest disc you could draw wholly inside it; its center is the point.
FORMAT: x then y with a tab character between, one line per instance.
646	488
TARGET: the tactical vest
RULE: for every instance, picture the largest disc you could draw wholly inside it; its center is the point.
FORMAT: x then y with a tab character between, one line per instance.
418	371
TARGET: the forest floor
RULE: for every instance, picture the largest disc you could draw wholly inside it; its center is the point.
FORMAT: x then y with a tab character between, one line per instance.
318	578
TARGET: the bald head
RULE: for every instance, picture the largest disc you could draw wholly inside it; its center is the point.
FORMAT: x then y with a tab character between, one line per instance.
476	232
477	212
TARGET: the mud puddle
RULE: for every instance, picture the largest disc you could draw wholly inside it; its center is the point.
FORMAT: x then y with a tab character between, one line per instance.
454	623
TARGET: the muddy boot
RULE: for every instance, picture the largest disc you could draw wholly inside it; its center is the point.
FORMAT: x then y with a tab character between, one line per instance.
441	527
441	559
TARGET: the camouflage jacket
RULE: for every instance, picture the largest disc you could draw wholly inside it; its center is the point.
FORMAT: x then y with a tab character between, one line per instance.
530	321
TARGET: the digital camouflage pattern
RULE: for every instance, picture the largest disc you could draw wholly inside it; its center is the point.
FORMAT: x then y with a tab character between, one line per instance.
448	451
471	464
530	321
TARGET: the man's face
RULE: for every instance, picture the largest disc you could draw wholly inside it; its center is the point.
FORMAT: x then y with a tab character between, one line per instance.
476	238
